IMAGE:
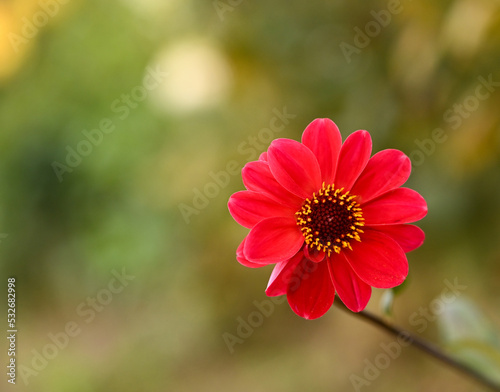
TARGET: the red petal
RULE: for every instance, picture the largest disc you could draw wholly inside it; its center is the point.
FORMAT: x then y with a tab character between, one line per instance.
353	292
386	170
323	138
353	157
263	157
273	240
258	177
295	167
248	208
242	259
310	292
378	260
409	237
314	254
401	205
281	275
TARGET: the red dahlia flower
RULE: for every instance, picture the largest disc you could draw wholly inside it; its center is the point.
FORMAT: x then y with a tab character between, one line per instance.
331	218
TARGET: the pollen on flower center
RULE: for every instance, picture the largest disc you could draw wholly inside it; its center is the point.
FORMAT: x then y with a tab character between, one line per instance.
330	220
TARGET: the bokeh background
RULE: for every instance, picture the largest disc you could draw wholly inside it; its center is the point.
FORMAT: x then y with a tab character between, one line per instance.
187	88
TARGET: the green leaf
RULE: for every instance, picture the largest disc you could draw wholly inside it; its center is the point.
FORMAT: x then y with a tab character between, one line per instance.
480	355
388	296
386	302
471	336
461	319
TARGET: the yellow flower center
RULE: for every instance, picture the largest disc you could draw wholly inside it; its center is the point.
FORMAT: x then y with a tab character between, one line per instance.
330	220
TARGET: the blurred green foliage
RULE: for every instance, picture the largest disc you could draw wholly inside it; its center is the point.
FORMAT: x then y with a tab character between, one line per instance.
229	66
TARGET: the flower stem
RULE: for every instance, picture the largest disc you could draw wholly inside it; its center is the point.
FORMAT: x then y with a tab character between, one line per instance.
425	346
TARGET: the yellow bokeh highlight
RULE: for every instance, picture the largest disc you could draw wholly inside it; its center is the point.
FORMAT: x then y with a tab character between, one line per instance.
20	24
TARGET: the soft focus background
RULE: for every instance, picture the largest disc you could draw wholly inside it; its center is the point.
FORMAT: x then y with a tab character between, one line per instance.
124	125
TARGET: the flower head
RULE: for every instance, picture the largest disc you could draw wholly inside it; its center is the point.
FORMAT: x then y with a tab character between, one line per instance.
331	219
